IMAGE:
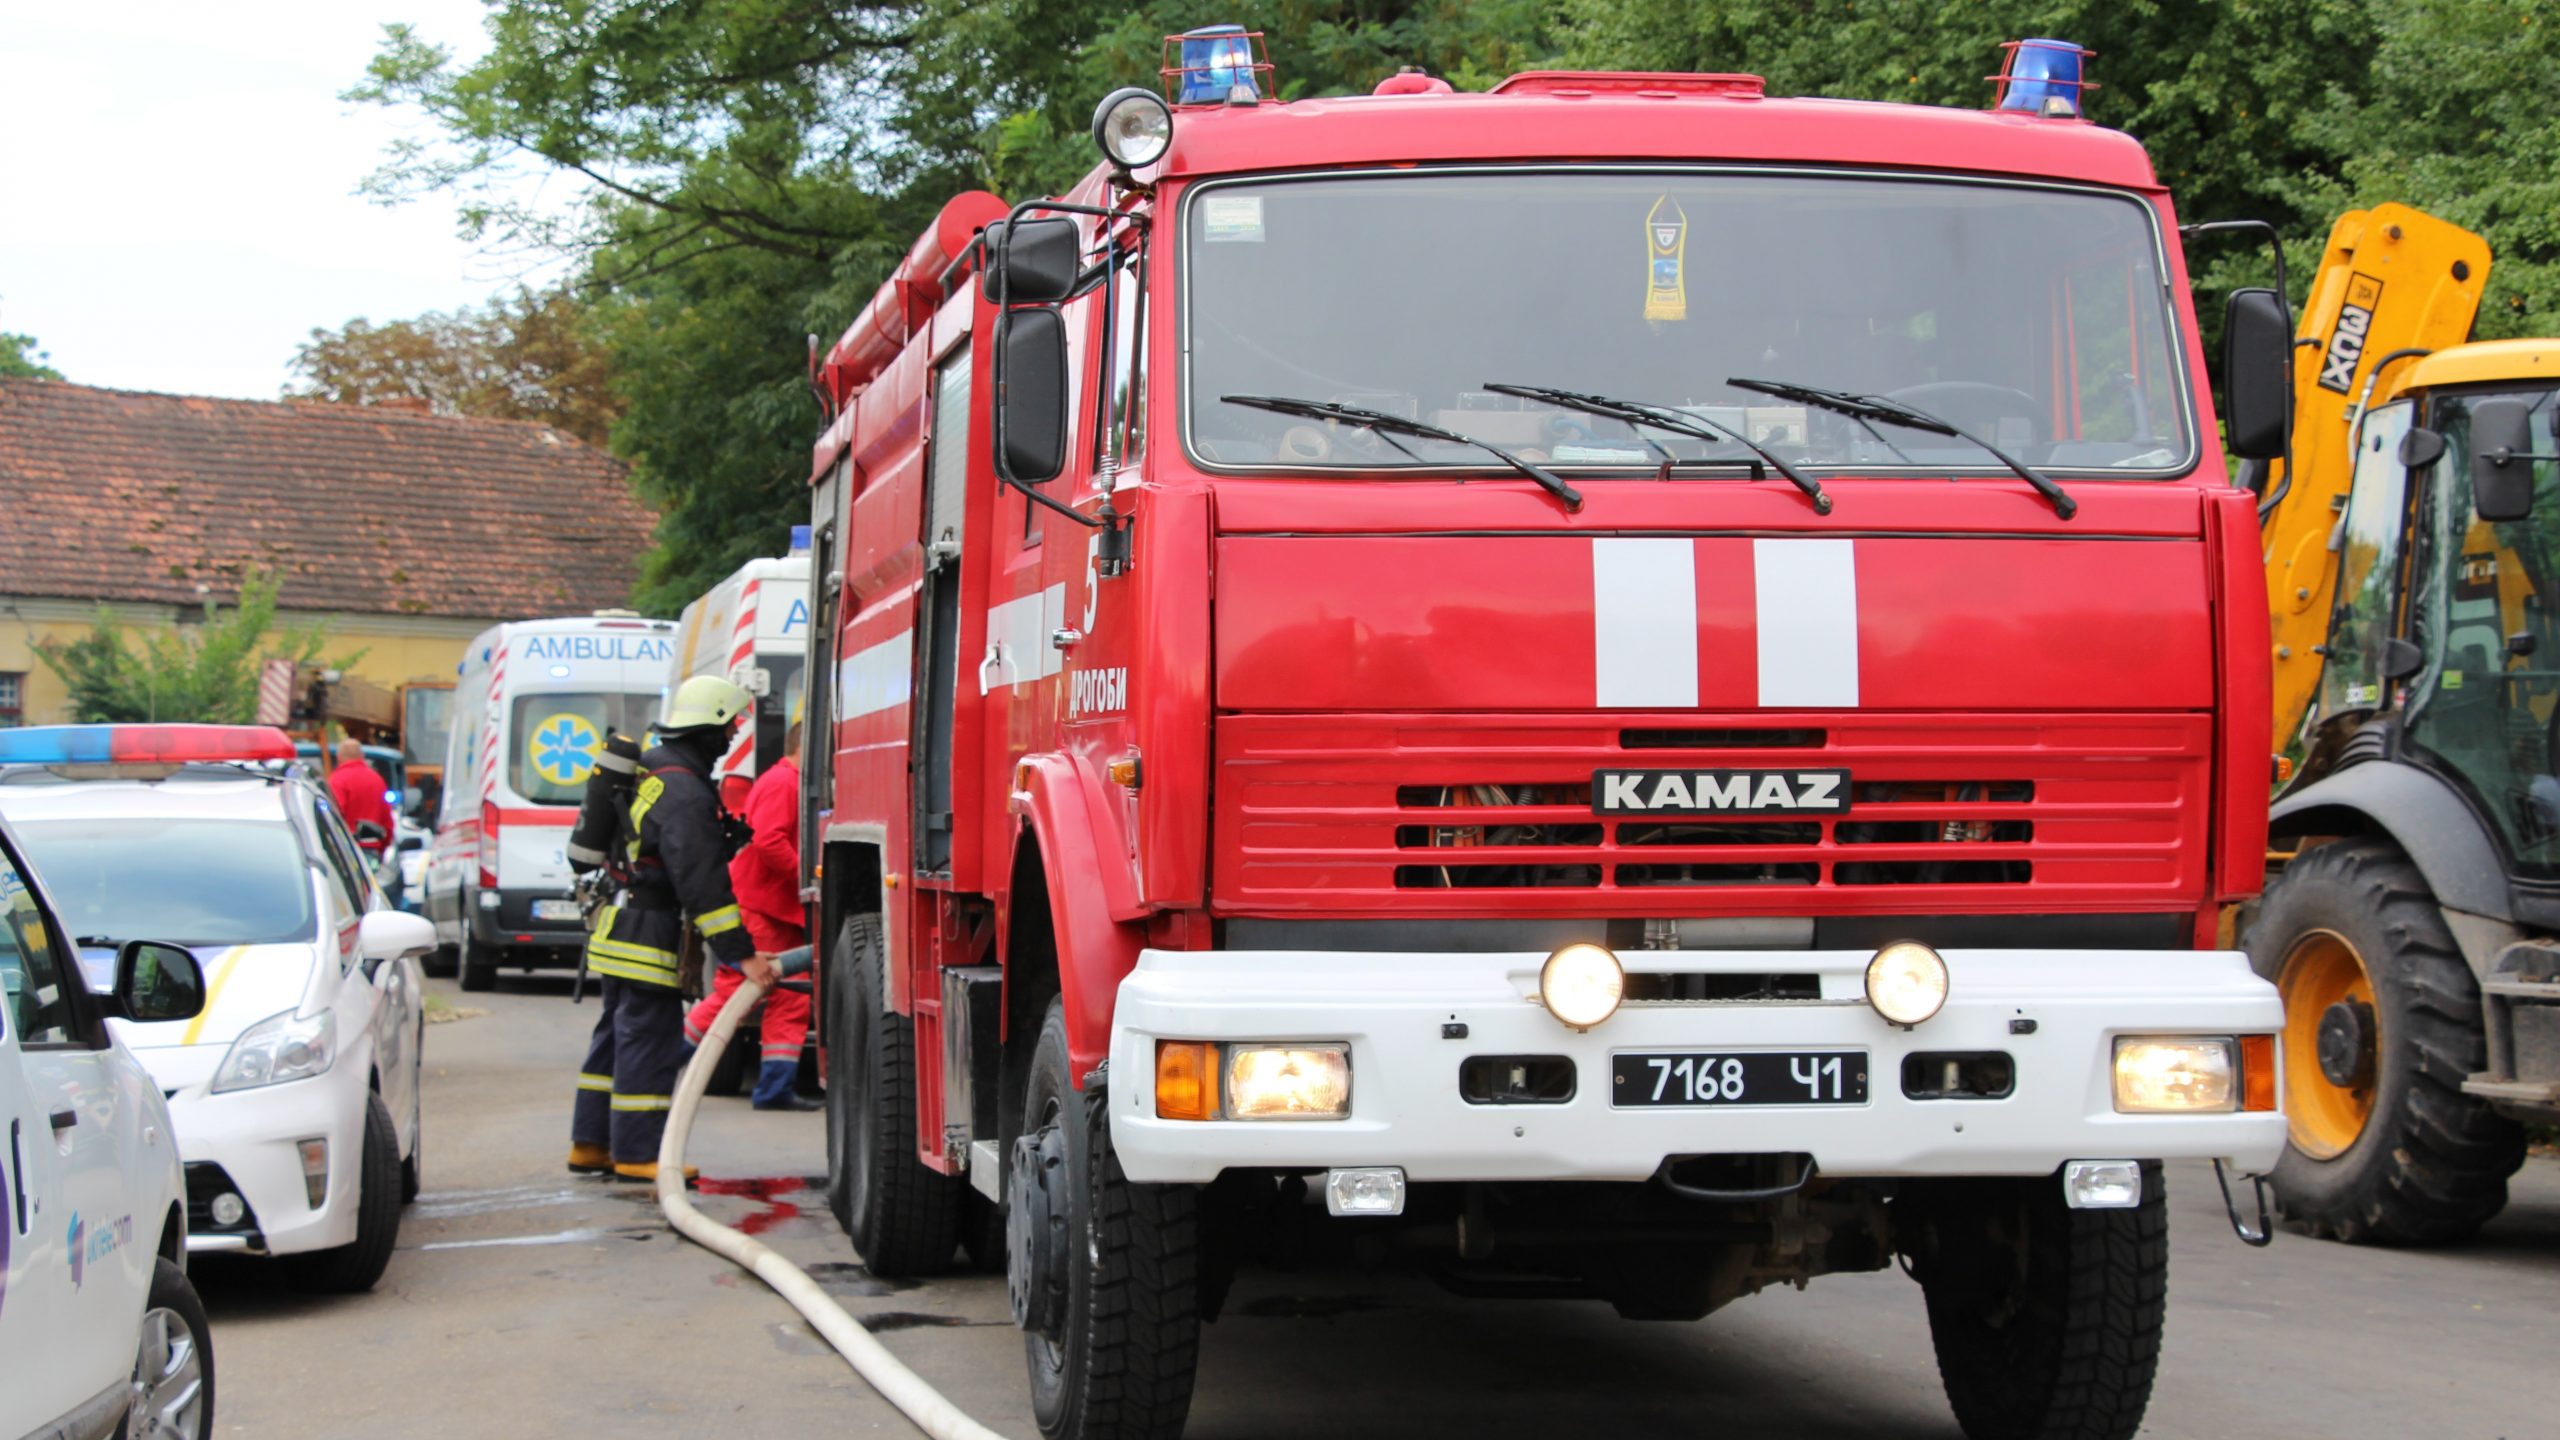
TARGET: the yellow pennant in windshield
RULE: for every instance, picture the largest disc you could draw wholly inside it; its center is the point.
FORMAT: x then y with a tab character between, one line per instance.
1666	239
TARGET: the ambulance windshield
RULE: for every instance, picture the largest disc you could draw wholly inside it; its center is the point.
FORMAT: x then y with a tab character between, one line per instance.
555	738
2034	316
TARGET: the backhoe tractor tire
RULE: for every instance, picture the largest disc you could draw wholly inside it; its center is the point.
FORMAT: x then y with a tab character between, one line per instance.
1126	1339
478	963
2382	1026
902	1214
356	1265
2046	1320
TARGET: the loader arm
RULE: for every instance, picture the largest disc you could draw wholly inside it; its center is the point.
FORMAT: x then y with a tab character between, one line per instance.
2391	280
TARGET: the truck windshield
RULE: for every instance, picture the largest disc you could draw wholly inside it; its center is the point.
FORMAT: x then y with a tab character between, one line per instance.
2487	705
555	738
186	881
2036	317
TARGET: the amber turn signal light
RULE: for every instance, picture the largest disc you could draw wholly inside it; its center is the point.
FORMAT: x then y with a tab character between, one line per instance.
2257	1072
1186	1080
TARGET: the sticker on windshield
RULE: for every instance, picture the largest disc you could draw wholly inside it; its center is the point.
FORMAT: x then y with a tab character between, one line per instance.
1231	217
563	748
1666	237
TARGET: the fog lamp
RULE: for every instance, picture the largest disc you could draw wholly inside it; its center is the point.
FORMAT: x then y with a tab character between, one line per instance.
315	1171
1907	982
1288	1082
1581	984
2169	1074
1134	127
227	1209
1370	1190
2102	1184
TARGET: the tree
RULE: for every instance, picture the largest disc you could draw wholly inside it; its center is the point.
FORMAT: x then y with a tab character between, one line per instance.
206	673
20	358
529	356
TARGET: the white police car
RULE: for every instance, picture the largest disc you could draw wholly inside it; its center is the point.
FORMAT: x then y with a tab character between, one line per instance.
295	1092
99	1329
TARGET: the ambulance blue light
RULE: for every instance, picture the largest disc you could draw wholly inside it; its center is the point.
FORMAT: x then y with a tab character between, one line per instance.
1216	61
2044	77
799	538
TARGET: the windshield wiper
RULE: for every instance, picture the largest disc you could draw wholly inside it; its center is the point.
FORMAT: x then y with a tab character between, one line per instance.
1678	422
1388	425
1894	412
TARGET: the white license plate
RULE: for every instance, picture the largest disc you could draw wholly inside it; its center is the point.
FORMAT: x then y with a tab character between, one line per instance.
555	909
1765	1077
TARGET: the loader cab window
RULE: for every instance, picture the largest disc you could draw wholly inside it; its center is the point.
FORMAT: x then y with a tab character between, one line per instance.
2486	707
2371	557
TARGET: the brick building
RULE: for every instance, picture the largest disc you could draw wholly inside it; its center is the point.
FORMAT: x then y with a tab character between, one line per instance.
409	533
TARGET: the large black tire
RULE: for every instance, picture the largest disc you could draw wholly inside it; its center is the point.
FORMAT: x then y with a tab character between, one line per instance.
902	1214
356	1265
1121	1367
835	1001
2430	1163
2046	1319
478	963
172	1362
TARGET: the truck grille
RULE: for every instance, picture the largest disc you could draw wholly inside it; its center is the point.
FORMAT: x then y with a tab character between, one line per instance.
1475	814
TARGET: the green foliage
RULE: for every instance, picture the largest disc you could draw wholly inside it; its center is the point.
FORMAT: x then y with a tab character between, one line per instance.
205	673
20	359
524	356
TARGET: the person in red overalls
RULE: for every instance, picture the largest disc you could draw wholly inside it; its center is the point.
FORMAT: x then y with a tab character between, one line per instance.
766	877
357	791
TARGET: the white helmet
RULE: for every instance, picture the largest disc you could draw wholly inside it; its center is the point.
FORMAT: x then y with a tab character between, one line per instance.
704	701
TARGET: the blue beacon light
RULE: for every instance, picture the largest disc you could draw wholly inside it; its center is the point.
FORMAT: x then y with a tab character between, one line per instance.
2044	77
1217	60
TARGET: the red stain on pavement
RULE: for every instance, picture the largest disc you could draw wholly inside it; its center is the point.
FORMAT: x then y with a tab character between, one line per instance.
766	1191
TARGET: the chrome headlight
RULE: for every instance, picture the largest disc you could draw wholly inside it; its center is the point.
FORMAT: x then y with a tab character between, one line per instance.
1907	982
2171	1074
279	1048
1581	984
1134	127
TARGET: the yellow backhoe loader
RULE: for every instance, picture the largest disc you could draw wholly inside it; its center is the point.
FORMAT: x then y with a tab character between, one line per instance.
2413	571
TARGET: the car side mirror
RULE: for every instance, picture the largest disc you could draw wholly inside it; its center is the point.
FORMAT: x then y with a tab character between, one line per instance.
389	934
2501	459
1031	404
157	982
1032	262
2257	357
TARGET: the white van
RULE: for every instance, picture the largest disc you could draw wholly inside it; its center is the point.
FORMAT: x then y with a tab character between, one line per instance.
530	710
752	628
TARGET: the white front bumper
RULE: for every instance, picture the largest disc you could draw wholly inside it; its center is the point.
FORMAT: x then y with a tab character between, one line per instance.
255	1135
1406	1111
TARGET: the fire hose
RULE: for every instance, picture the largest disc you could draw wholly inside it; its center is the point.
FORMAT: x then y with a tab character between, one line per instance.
929	1408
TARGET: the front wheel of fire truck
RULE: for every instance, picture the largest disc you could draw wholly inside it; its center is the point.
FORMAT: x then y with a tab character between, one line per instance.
2381	1026
2046	1319
903	1215
1103	1273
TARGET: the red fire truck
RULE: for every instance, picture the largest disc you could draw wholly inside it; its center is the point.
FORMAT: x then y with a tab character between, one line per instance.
1612	688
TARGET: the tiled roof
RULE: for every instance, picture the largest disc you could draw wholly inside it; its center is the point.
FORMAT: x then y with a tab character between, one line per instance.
120	496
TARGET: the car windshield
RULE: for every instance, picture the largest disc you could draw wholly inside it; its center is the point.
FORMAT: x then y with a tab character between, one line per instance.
186	881
557	736
2037	317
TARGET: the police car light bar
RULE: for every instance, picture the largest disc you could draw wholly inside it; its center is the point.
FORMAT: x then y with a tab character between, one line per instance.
142	744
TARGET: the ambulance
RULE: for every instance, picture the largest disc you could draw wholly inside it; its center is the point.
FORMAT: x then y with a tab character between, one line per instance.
753	628
530	709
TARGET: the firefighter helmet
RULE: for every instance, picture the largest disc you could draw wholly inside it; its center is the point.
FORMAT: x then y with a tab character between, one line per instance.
705	701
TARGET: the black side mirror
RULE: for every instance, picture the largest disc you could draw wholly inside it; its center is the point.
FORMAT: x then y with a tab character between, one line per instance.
1031	407
2420	447
2257	356
1036	265
2501	459
157	982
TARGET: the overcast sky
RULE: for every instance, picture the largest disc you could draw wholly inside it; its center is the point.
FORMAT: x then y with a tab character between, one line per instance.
177	187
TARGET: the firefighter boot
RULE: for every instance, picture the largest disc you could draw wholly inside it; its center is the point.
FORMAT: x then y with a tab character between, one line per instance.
589	1159
647	1170
773	1088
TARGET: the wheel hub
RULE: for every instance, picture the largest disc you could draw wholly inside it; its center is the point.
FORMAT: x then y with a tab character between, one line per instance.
1035	1231
2345	1040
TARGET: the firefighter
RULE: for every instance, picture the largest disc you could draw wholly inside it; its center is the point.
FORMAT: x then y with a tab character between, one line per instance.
766	877
678	856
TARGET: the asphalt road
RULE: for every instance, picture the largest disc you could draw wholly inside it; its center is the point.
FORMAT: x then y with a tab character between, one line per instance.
525	1301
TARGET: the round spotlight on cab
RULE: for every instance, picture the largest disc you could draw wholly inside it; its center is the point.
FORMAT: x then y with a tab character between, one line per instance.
1907	982
1134	127
1582	984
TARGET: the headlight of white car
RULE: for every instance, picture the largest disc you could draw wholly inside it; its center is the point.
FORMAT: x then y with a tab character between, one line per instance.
276	1049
